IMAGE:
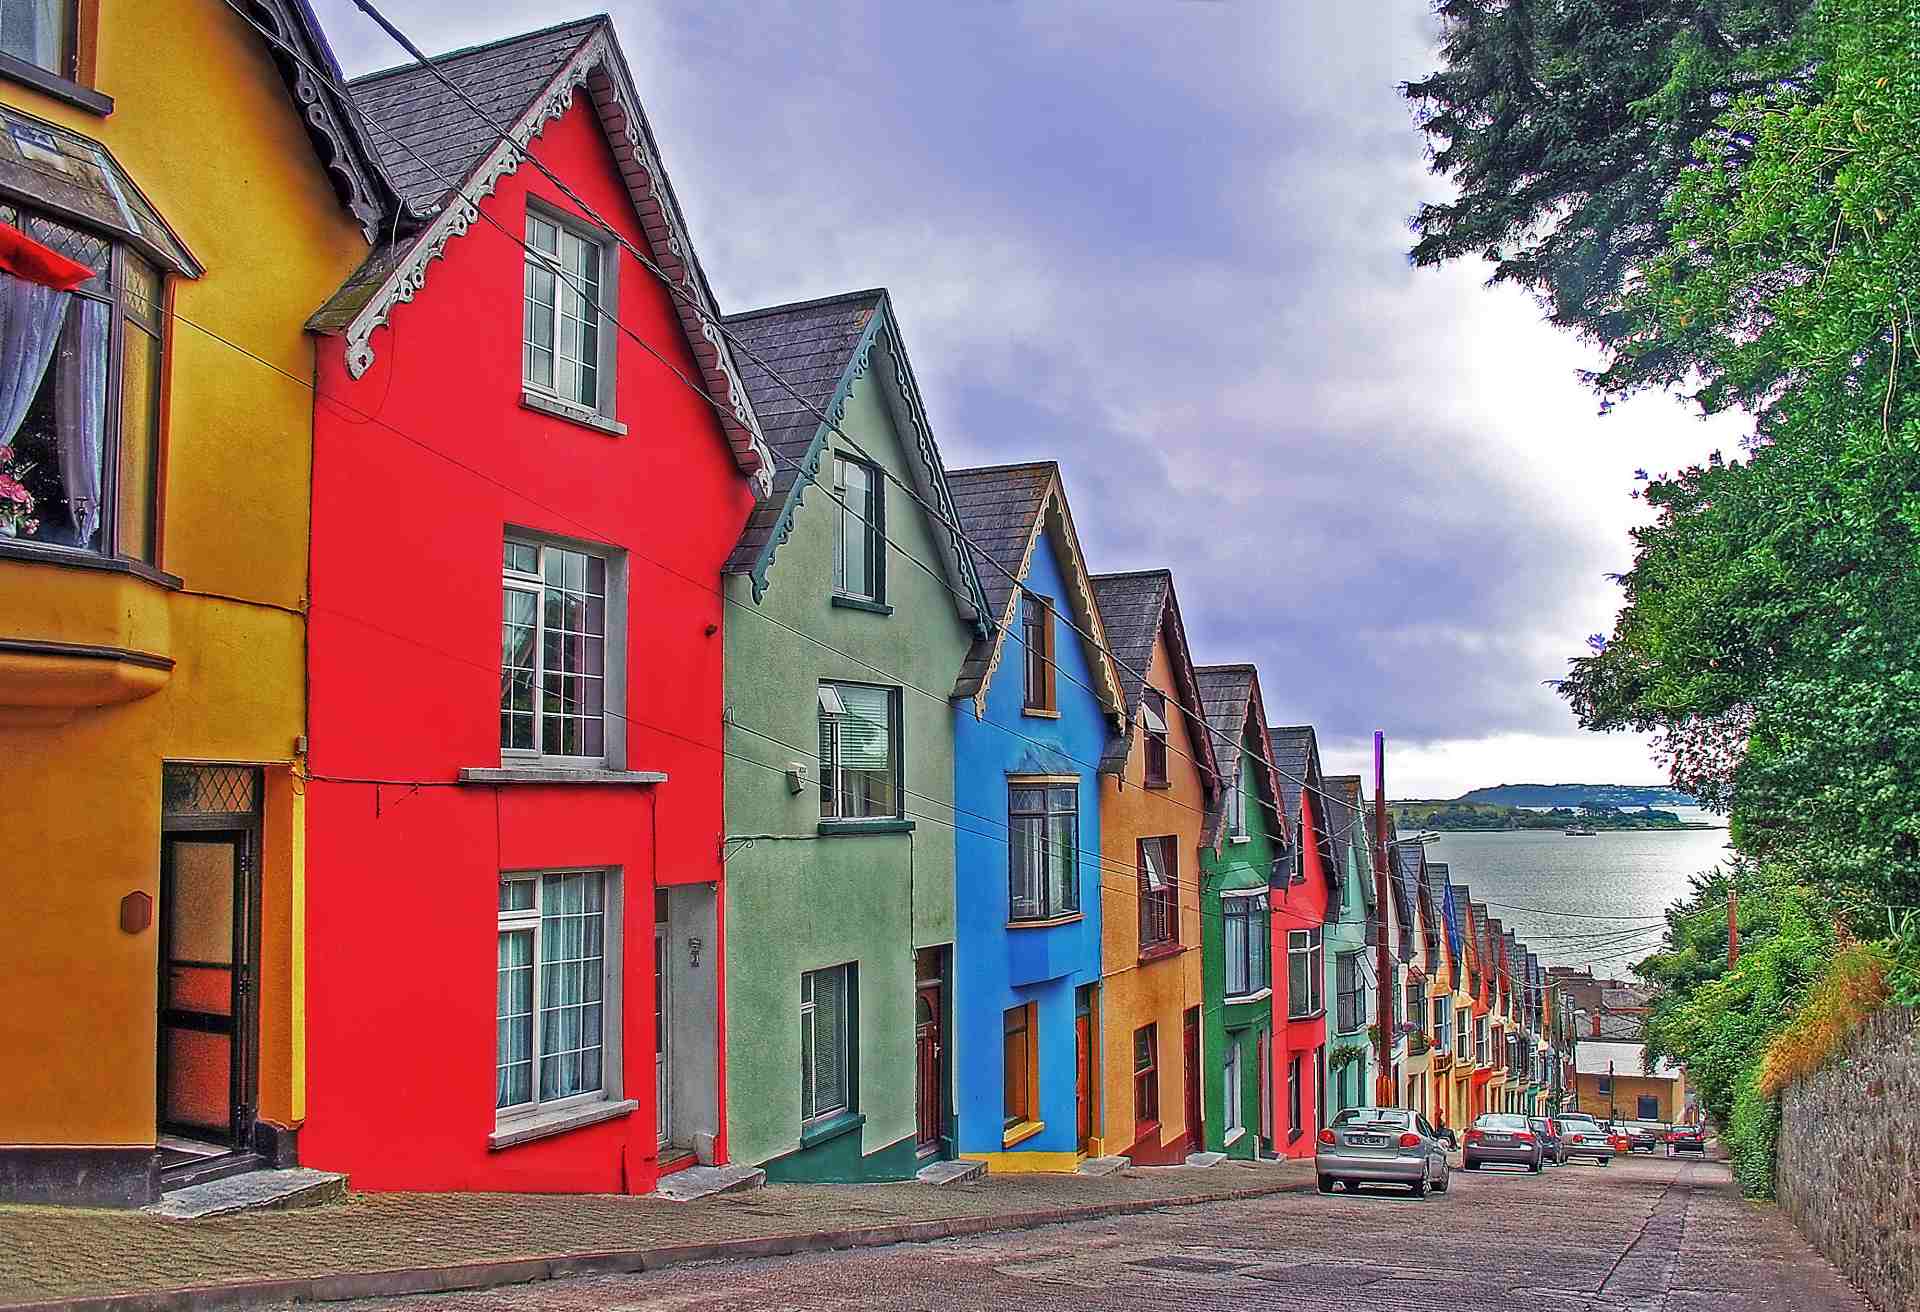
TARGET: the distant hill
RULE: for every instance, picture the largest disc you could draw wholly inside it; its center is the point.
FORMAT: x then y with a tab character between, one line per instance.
1576	795
1454	816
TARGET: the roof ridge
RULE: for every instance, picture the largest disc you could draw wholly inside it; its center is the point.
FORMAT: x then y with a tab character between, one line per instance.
1002	469
1231	665
355	83
789	306
1160	572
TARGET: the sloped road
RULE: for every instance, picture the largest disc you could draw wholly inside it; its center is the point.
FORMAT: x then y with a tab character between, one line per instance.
1654	1234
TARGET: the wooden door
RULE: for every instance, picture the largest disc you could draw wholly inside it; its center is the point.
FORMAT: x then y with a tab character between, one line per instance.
1083	1069
1190	1048
926	1042
206	987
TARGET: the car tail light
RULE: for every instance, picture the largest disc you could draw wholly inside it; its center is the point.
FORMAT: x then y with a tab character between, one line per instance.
1409	1140
1326	1136
1522	1136
1474	1136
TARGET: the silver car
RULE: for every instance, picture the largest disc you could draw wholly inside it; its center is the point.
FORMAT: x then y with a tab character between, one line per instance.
1381	1145
1583	1136
1499	1138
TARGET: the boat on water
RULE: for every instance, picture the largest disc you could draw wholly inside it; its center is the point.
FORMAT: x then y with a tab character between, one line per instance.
1581	831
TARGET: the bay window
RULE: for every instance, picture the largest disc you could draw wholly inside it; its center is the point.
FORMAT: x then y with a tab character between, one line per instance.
559	681
556	990
1306	966
80	382
1043	850
1244	917
859	752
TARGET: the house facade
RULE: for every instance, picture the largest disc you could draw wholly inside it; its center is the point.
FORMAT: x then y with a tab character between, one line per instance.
1436	1019
1247	848
1035	706
1408	859
1351	948
1301	904
514	772
1158	781
173	203
840	769
1465	991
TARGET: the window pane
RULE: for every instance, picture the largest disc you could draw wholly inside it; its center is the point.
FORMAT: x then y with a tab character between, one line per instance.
1063	875
827	1058
51	473
865	747
139	441
513	1011
39	32
854	546
1025	835
573	971
1236	935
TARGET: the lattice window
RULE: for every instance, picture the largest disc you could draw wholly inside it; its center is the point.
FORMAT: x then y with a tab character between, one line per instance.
210	790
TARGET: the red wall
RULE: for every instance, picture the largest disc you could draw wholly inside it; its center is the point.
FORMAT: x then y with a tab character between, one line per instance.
404	658
1298	906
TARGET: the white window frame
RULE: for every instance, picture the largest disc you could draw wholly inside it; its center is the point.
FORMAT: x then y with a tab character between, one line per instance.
1463	1034
613	691
609	297
1260	930
1310	944
832	711
1237	808
809	1014
612	958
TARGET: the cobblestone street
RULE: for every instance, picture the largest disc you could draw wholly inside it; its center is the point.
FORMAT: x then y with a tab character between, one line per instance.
1643	1233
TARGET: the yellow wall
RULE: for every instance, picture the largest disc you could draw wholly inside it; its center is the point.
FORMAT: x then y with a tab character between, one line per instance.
203	123
1158	992
1625	1102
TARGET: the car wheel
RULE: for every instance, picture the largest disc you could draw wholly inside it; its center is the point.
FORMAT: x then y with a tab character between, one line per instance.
1440	1185
1326	1184
1420	1188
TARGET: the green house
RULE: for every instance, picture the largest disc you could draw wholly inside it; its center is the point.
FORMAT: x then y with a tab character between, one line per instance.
855	607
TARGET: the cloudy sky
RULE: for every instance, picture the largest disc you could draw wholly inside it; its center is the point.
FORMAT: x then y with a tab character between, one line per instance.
1165	244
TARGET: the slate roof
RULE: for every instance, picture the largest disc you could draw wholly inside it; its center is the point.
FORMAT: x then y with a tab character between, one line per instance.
998	507
419	115
1230	694
1135	608
1342	817
811	345
1292	759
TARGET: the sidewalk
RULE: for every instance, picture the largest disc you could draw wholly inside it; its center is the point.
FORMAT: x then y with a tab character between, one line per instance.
374	1244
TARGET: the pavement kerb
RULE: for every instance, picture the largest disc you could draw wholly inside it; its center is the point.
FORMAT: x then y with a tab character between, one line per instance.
486	1275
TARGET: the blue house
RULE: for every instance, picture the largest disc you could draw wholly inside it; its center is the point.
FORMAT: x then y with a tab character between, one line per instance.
1034	707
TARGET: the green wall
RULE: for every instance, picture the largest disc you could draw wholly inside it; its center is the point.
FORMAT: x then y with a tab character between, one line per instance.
804	901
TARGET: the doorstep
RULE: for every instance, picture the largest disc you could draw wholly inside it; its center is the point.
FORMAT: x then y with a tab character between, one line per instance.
250	1191
695	1182
938	1173
1104	1165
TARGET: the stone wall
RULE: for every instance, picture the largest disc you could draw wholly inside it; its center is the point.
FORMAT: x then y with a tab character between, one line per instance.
1848	1171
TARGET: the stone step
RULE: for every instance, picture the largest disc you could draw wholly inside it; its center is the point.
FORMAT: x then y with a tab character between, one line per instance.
1104	1165
705	1181
1205	1159
295	1186
950	1172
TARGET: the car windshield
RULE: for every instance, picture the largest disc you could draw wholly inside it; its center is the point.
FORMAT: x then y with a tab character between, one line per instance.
1539	1124
1500	1121
1375	1118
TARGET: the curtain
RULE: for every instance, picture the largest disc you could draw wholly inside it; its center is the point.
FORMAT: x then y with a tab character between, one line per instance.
30	316
80	412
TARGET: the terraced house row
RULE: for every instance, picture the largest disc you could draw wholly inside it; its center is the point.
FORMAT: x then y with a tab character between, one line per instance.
477	715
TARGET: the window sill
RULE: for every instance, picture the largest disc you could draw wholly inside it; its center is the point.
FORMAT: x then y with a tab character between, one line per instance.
1158	785
849	828
1261	996
1141	1129
1237	839
1039	713
824	1131
861	603
11	549
573	414
1234	1137
556	774
1022	1132
1307	1016
1161	951
1047	923
62	89
542	1125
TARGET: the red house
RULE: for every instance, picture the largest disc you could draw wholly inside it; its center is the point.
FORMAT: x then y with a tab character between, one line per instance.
1298	915
532	456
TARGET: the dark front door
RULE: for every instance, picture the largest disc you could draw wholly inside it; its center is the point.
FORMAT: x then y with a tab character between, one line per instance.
926	1043
1083	1066
1190	1046
207	918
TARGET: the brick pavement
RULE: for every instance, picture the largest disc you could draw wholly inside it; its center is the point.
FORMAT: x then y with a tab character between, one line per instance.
49	1254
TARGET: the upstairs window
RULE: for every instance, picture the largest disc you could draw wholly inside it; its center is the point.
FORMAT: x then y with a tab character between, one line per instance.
80	395
1237	802
859	756
1159	893
554	672
40	33
1442	1028
568	348
1463	1035
1416	1001
1306	969
1351	1000
1043	846
1036	639
1244	917
1153	715
859	540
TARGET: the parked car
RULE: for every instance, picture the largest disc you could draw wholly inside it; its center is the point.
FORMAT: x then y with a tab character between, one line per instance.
1499	1138
1687	1139
1381	1145
1552	1141
1646	1136
1583	1136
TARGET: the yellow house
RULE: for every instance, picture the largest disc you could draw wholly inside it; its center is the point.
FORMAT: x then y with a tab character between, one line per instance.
155	437
1157	781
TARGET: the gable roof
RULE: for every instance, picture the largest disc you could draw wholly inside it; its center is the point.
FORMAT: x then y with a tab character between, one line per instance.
820	349
1004	511
444	159
1230	695
1136	608
1296	759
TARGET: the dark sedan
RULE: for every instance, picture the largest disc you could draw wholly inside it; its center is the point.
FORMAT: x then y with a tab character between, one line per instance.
1499	1139
1646	1136
1551	1140
1687	1139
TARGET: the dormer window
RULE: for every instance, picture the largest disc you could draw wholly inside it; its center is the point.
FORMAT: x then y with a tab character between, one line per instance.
859	539
567	345
1237	805
1036	638
1153	717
